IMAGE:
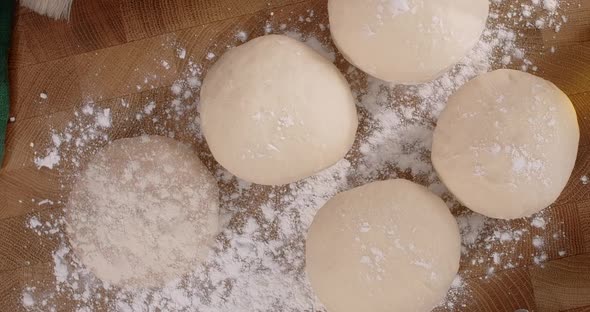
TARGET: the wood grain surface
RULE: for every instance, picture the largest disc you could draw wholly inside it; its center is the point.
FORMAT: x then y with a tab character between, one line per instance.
108	48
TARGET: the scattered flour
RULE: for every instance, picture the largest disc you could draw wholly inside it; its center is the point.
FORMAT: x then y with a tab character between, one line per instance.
471	226
538	223
242	36
51	159
45	202
28	300
258	263
538	242
103	118
181	53
34	222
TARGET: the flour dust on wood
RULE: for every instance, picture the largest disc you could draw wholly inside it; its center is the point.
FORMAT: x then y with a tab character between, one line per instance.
258	259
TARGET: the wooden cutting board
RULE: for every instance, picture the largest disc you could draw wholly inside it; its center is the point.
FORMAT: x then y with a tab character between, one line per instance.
118	39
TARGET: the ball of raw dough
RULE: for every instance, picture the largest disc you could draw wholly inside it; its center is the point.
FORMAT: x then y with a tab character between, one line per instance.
506	144
384	246
274	111
144	211
406	41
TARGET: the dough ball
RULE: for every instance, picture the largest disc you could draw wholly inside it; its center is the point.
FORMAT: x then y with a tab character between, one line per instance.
506	144
385	246
274	111
143	212
406	41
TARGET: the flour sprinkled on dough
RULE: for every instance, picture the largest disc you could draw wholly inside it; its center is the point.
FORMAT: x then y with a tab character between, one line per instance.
259	259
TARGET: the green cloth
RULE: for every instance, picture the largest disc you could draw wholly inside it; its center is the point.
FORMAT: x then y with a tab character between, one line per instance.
5	28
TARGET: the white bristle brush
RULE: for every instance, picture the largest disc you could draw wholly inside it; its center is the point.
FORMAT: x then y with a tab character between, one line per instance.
58	9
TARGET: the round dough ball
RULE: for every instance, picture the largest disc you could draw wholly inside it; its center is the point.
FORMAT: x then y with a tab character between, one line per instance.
506	144
144	211
274	111
406	41
385	246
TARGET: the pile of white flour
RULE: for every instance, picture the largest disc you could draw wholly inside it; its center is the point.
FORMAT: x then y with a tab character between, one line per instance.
258	263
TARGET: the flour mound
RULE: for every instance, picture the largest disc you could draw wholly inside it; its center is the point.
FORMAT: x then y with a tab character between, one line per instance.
144	211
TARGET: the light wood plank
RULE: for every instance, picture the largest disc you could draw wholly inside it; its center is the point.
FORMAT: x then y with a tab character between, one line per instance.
506	291
93	25
575	190
110	46
562	236
581	103
147	18
584	212
568	67
563	284
577	26
22	246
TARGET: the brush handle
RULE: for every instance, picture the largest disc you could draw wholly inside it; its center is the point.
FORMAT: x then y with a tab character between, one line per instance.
5	30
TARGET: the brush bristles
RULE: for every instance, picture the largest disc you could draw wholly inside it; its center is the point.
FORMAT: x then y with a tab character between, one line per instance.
57	9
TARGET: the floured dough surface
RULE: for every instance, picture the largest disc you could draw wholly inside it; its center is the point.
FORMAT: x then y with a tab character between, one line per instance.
274	111
506	144
143	212
385	246
406	41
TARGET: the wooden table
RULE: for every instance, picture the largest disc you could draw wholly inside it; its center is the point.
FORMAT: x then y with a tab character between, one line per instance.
101	52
